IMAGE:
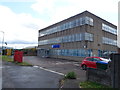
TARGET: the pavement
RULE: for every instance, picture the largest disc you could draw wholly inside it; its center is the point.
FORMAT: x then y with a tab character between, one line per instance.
14	76
61	67
0	72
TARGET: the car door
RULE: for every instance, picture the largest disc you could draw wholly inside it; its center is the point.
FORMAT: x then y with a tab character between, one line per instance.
89	62
94	62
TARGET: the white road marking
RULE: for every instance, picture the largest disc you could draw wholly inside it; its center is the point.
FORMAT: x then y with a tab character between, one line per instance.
36	66
49	70
52	71
76	64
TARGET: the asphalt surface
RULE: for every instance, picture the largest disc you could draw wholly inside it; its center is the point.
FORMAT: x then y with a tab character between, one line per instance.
14	76
0	72
58	65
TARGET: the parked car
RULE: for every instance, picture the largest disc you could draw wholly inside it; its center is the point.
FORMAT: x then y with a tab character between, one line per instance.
90	62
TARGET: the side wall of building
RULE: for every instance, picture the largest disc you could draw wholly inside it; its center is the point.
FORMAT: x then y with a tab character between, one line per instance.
77	41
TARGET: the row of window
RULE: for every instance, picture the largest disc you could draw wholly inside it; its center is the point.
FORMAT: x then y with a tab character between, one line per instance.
109	41
76	52
103	53
68	25
72	52
68	38
109	29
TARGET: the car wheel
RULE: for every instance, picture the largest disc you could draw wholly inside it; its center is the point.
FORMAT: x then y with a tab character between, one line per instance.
84	67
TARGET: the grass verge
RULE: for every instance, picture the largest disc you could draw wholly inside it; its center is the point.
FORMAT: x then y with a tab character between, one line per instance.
88	84
9	59
6	58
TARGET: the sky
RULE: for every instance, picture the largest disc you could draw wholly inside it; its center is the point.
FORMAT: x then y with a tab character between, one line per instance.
20	20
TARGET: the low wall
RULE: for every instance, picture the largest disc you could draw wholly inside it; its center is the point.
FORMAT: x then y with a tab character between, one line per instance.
99	76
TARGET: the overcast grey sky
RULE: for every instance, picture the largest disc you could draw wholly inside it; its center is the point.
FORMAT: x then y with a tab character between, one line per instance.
21	19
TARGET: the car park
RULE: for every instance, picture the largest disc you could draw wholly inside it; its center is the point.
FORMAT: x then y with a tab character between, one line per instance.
90	62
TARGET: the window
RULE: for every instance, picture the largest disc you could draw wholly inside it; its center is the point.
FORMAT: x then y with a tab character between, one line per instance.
88	36
89	59
82	53
76	37
77	22
89	21
70	52
109	41
89	52
96	59
67	25
72	38
79	52
109	29
70	24
74	23
83	21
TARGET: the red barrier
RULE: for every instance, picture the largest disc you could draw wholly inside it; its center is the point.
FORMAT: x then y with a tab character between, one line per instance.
18	56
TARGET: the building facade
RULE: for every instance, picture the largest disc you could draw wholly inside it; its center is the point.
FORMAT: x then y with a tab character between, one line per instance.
77	37
118	50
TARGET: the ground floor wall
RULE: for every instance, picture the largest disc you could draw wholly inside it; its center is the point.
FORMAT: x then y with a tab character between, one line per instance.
73	54
71	58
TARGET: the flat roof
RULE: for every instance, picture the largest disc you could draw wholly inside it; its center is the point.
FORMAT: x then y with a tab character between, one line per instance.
76	16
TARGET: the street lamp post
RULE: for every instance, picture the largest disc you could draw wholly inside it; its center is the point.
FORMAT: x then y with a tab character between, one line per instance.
2	42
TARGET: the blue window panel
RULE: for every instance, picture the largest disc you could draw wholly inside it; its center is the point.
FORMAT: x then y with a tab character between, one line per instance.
72	38
80	20
77	37
77	22
99	53
82	36
62	52
109	29
70	52
91	22
74	23
86	53
74	52
66	54
70	25
79	52
83	53
83	20
69	38
87	21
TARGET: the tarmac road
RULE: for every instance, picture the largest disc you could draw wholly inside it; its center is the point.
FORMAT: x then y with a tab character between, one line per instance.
57	65
14	76
0	72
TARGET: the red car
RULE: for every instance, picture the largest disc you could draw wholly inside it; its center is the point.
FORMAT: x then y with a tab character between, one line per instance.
90	62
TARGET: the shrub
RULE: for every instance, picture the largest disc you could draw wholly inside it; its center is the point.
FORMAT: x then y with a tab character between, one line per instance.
70	75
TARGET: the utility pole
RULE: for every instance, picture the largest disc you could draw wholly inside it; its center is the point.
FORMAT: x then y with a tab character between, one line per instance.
2	42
